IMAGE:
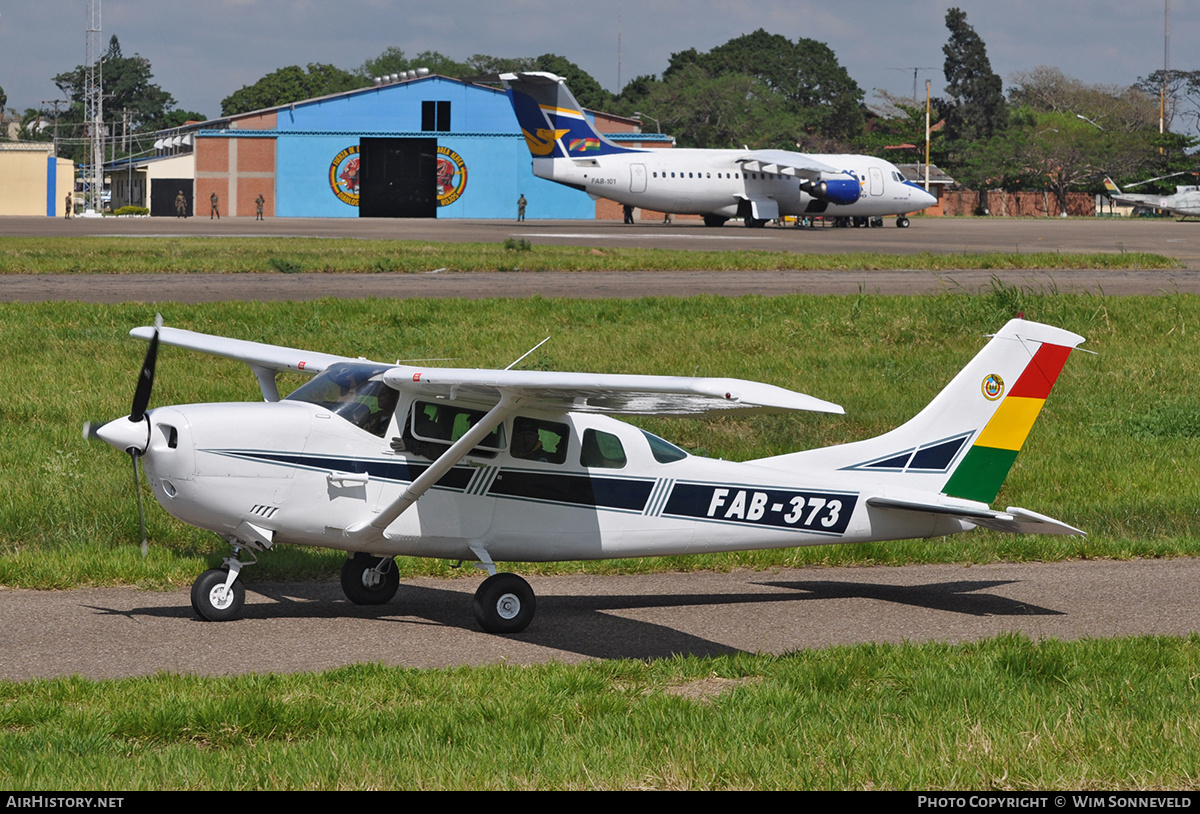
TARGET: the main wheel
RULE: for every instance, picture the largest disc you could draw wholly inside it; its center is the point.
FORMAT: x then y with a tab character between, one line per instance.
504	603
212	602
364	585
714	220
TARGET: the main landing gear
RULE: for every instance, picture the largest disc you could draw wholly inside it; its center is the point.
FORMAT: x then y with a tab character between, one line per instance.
368	580
504	603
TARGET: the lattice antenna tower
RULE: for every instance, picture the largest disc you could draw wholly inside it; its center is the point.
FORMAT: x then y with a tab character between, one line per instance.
93	102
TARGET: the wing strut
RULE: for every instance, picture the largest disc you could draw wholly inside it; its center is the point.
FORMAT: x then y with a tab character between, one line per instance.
373	528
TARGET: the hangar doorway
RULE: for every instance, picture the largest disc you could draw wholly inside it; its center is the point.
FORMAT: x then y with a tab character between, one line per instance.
163	192
397	178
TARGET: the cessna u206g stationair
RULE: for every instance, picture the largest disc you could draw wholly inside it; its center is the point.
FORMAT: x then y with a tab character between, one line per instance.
386	460
755	185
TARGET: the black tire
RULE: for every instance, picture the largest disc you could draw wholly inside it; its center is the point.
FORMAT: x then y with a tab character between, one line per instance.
211	603
362	589
902	222
714	220
504	603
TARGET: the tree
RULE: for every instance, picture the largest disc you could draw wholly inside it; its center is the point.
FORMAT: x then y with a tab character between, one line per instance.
1180	94
978	110
805	76
1078	132
127	88
393	60
761	89
482	64
291	84
1112	107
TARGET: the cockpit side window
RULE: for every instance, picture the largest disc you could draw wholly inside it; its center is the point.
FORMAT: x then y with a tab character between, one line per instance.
664	451
354	392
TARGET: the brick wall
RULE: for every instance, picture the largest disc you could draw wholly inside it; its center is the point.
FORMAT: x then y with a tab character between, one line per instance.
1016	204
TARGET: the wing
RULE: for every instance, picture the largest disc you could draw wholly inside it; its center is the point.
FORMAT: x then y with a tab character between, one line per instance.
620	394
784	162
265	360
1013	520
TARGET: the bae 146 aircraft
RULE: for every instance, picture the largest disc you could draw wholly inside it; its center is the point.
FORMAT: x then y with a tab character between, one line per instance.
385	460
755	185
1185	202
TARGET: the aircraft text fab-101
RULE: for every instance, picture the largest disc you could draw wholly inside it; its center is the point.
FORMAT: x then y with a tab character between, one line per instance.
755	185
511	465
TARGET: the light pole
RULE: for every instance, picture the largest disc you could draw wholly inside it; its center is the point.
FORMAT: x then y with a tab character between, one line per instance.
657	126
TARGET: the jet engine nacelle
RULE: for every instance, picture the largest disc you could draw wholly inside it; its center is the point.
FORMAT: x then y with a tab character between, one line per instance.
835	190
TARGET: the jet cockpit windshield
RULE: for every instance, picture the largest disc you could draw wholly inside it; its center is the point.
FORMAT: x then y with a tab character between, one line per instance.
355	392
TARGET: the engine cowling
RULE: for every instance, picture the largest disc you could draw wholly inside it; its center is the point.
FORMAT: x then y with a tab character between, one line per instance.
835	190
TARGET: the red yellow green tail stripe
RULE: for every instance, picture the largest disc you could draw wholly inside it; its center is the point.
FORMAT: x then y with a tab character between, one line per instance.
989	459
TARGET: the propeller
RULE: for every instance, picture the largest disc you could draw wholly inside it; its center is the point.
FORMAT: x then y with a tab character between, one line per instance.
132	435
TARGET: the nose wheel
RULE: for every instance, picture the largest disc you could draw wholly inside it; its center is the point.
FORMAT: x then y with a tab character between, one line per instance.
215	598
504	603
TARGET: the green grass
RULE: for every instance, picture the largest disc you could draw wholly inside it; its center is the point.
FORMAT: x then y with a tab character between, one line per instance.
66	255
1002	714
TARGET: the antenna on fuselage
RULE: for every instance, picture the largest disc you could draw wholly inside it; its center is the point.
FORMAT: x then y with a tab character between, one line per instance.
526	353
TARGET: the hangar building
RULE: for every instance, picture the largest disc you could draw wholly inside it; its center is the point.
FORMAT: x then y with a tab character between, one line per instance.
425	147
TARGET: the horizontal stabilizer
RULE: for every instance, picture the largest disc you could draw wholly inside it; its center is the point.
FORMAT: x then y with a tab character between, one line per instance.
1013	520
614	393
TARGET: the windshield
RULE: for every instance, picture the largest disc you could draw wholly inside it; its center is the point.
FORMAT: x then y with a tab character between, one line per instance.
355	392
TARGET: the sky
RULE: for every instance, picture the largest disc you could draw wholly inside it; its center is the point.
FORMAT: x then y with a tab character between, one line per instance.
201	52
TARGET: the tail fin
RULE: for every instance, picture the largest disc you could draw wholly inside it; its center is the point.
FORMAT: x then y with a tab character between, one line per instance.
553	123
1111	186
966	440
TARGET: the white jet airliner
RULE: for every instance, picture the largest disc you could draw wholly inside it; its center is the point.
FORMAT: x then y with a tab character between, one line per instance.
755	185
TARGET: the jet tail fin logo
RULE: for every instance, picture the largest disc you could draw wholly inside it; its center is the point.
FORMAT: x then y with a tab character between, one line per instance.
542	142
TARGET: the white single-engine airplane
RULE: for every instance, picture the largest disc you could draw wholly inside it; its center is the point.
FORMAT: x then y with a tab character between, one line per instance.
386	460
755	185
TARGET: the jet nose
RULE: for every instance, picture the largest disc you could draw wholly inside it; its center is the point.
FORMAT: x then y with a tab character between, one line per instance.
125	434
923	199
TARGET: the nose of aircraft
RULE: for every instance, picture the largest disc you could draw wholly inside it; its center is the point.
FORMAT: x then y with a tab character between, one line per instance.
125	434
923	199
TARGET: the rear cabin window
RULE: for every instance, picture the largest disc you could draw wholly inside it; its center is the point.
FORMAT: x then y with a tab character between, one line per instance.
601	450
537	440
